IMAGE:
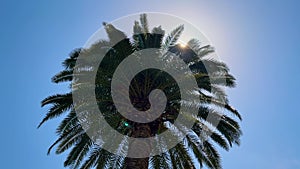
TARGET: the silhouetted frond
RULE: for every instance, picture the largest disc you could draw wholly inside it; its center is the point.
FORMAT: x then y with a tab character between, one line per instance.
60	104
172	38
144	23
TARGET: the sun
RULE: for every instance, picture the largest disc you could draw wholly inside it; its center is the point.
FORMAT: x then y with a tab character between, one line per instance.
182	45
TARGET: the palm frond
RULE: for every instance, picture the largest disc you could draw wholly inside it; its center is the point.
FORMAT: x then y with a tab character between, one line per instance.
64	136
144	23
68	122
196	148
78	152
71	139
214	101
114	34
159	161
103	159
212	154
185	159
70	62
63	76
172	38
91	161
158	30
60	104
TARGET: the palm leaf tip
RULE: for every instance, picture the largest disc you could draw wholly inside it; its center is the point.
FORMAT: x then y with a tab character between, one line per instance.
173	37
234	111
137	29
144	23
70	62
60	104
40	124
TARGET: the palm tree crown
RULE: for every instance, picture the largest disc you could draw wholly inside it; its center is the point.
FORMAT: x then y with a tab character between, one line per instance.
197	147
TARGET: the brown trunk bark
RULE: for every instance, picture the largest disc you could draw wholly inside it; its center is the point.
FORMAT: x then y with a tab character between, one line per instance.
139	148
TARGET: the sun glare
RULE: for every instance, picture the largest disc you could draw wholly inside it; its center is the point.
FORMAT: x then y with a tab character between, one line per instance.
182	45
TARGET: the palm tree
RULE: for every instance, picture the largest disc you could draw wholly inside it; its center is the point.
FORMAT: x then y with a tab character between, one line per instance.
197	147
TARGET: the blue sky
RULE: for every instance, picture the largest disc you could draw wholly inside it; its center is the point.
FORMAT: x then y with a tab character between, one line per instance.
260	41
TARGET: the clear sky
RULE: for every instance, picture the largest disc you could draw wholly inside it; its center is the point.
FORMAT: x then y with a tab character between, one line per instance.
260	41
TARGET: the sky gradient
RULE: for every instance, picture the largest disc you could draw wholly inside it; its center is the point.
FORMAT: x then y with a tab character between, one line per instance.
260	42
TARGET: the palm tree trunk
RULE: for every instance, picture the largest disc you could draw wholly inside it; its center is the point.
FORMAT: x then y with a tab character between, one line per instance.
139	148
